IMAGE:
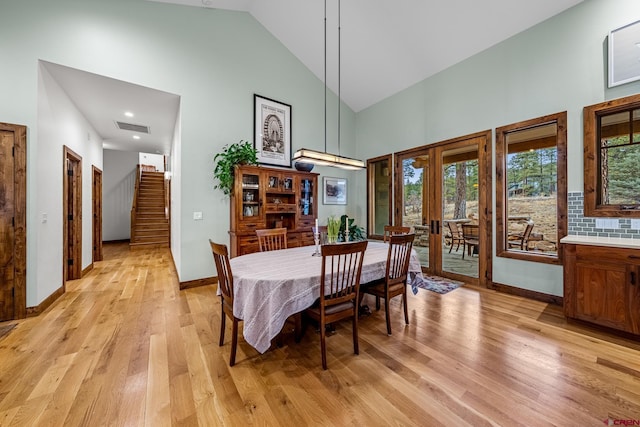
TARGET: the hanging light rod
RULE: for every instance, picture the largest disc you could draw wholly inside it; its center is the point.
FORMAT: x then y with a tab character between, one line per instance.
323	158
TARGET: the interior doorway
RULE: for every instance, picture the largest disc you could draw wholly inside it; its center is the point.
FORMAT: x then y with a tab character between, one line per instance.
445	196
96	195
13	221
72	215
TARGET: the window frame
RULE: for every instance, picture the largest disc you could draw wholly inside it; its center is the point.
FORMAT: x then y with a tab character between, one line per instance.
502	249
371	194
592	114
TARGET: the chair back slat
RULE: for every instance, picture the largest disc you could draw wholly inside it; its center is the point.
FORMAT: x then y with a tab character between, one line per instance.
341	269
390	230
223	267
399	256
272	239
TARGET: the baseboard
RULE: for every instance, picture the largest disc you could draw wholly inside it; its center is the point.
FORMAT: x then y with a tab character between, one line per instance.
198	282
526	293
40	308
86	270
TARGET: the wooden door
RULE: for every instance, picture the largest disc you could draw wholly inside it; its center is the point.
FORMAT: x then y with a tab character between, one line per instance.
13	188
97	214
72	215
423	203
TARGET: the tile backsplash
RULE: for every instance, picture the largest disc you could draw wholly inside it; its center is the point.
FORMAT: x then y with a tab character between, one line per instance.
583	226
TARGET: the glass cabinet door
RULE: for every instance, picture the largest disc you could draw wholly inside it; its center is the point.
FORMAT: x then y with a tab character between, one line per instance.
307	203
280	182
251	203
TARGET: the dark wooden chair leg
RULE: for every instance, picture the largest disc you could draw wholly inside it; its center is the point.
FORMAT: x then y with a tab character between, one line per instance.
234	343
223	318
404	303
323	346
377	303
356	348
386	313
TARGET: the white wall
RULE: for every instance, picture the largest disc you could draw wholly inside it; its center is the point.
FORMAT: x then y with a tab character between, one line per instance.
176	191
118	184
59	124
208	57
555	66
150	159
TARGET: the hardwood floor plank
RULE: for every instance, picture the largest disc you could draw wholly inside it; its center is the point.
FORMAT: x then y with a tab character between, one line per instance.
124	346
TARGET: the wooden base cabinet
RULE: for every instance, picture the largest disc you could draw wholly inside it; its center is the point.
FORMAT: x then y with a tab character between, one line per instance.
602	286
272	198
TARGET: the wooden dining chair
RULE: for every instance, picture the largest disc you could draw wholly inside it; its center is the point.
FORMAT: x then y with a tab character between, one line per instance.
225	283
390	230
339	287
271	239
455	235
471	236
521	240
395	278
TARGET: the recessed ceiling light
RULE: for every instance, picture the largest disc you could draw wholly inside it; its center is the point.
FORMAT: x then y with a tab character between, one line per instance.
128	113
136	137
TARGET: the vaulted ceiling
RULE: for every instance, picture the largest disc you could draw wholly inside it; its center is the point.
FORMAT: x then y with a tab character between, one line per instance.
388	45
385	46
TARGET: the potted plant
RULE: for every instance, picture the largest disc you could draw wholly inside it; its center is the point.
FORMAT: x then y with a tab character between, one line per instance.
239	153
333	228
354	231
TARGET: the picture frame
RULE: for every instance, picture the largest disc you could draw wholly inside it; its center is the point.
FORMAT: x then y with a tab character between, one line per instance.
624	55
334	191
272	131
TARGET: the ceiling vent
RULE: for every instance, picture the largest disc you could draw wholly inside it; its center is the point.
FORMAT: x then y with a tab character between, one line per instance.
132	127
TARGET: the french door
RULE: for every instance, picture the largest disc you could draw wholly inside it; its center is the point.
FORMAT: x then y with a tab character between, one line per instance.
445	191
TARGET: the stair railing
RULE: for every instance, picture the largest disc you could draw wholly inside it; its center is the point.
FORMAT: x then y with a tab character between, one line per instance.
134	207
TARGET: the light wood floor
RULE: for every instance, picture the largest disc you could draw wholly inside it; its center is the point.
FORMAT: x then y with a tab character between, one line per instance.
124	346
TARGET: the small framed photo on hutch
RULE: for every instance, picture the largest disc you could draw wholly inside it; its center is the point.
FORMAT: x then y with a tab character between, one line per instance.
334	191
624	54
272	131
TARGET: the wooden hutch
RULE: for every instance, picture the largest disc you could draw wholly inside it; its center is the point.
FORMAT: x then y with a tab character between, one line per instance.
270	198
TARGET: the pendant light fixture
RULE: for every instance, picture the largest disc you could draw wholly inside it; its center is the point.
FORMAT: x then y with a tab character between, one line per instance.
324	158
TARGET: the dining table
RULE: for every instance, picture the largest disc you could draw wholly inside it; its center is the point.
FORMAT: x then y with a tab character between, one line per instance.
270	286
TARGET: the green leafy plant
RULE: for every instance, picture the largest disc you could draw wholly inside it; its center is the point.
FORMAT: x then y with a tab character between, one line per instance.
355	232
333	229
239	153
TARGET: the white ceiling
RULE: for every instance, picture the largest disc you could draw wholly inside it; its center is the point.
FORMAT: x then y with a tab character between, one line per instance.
103	101
386	46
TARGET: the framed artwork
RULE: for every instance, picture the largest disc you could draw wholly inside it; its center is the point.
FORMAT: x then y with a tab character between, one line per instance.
272	131
624	55
334	191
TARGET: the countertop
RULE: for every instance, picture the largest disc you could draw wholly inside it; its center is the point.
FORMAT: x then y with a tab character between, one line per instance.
616	242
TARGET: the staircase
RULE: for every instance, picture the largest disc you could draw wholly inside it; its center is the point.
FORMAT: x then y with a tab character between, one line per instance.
149	223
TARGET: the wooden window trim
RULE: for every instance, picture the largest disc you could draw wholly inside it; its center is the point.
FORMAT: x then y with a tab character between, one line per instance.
370	192
501	188
591	157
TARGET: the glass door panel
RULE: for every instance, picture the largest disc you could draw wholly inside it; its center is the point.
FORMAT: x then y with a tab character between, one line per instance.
459	198
414	173
379	195
251	203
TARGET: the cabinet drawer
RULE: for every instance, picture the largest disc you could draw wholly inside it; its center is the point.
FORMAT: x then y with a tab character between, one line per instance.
602	253
306	238
293	239
307	223
281	208
248	245
250	226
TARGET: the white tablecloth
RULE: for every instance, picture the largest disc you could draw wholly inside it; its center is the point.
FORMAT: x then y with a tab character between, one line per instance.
271	286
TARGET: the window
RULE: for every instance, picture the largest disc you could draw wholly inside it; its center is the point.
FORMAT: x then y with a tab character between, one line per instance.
379	186
612	155
531	187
